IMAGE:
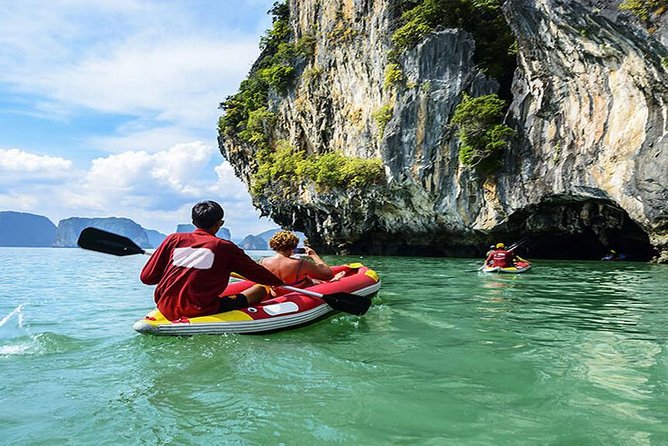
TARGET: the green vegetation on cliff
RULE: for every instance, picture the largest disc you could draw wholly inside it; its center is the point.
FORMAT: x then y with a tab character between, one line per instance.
423	17
246	114
481	132
494	50
279	170
382	116
248	118
644	8
393	75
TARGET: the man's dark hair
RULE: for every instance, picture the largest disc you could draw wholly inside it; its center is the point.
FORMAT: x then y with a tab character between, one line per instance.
206	214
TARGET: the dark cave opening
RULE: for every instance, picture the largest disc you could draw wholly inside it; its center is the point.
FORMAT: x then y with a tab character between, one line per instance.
563	228
586	246
560	228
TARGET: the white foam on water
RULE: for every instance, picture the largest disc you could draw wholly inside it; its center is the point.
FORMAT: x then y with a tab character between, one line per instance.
18	349
13	335
11	325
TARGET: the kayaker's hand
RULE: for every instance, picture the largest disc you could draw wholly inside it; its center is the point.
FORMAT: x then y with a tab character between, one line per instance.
338	276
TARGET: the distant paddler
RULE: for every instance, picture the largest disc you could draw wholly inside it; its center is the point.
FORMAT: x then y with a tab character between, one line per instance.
614	255
500	257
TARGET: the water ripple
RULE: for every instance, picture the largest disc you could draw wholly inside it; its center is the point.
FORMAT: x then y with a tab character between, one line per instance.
570	353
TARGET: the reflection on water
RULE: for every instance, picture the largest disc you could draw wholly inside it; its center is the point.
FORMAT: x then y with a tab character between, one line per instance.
603	301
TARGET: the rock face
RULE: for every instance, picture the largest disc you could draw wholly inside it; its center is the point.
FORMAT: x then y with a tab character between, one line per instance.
587	169
591	103
185	227
224	233
154	237
253	242
70	228
26	230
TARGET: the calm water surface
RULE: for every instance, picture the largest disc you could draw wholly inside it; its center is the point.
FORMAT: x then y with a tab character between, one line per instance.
567	354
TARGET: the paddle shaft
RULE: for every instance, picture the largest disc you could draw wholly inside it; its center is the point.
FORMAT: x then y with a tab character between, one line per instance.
289	288
517	245
347	302
110	243
302	291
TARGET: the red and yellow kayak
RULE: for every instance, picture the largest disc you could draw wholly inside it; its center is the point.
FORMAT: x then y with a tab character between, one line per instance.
289	310
518	268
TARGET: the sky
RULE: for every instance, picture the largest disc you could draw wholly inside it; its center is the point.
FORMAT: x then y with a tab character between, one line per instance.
110	108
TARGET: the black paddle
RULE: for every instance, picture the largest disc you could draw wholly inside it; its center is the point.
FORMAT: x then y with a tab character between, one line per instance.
349	303
109	243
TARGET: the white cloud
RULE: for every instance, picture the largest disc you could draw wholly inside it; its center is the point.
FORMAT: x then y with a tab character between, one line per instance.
155	190
151	179
135	137
18	201
167	81
177	165
142	79
177	170
228	184
141	59
15	160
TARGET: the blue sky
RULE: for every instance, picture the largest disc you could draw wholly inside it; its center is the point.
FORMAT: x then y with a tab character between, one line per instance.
109	108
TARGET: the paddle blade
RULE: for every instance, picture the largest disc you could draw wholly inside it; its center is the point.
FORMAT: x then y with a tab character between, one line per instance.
349	303
107	242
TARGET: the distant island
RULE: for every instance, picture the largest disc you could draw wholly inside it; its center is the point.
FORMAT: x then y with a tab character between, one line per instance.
154	237
70	228
20	229
28	230
223	233
261	241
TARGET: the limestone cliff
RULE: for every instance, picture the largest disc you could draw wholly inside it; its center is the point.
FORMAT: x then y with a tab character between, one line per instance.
591	100
587	169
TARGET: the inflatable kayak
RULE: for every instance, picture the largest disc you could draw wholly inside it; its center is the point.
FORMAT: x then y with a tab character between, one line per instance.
520	267
289	310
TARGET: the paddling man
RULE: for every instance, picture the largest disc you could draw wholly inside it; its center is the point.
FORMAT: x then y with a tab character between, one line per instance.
192	270
500	257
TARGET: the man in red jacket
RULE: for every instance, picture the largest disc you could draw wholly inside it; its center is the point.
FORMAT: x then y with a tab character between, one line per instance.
500	257
192	270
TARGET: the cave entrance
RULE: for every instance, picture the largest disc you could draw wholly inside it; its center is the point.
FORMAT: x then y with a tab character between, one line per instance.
564	228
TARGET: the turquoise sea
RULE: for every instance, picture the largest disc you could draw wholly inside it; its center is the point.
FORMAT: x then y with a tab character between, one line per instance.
571	353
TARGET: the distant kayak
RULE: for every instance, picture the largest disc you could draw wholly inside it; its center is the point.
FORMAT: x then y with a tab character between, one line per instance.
520	267
289	310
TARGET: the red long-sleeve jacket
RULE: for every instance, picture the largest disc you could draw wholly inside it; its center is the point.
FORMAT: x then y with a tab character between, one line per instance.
501	257
192	271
